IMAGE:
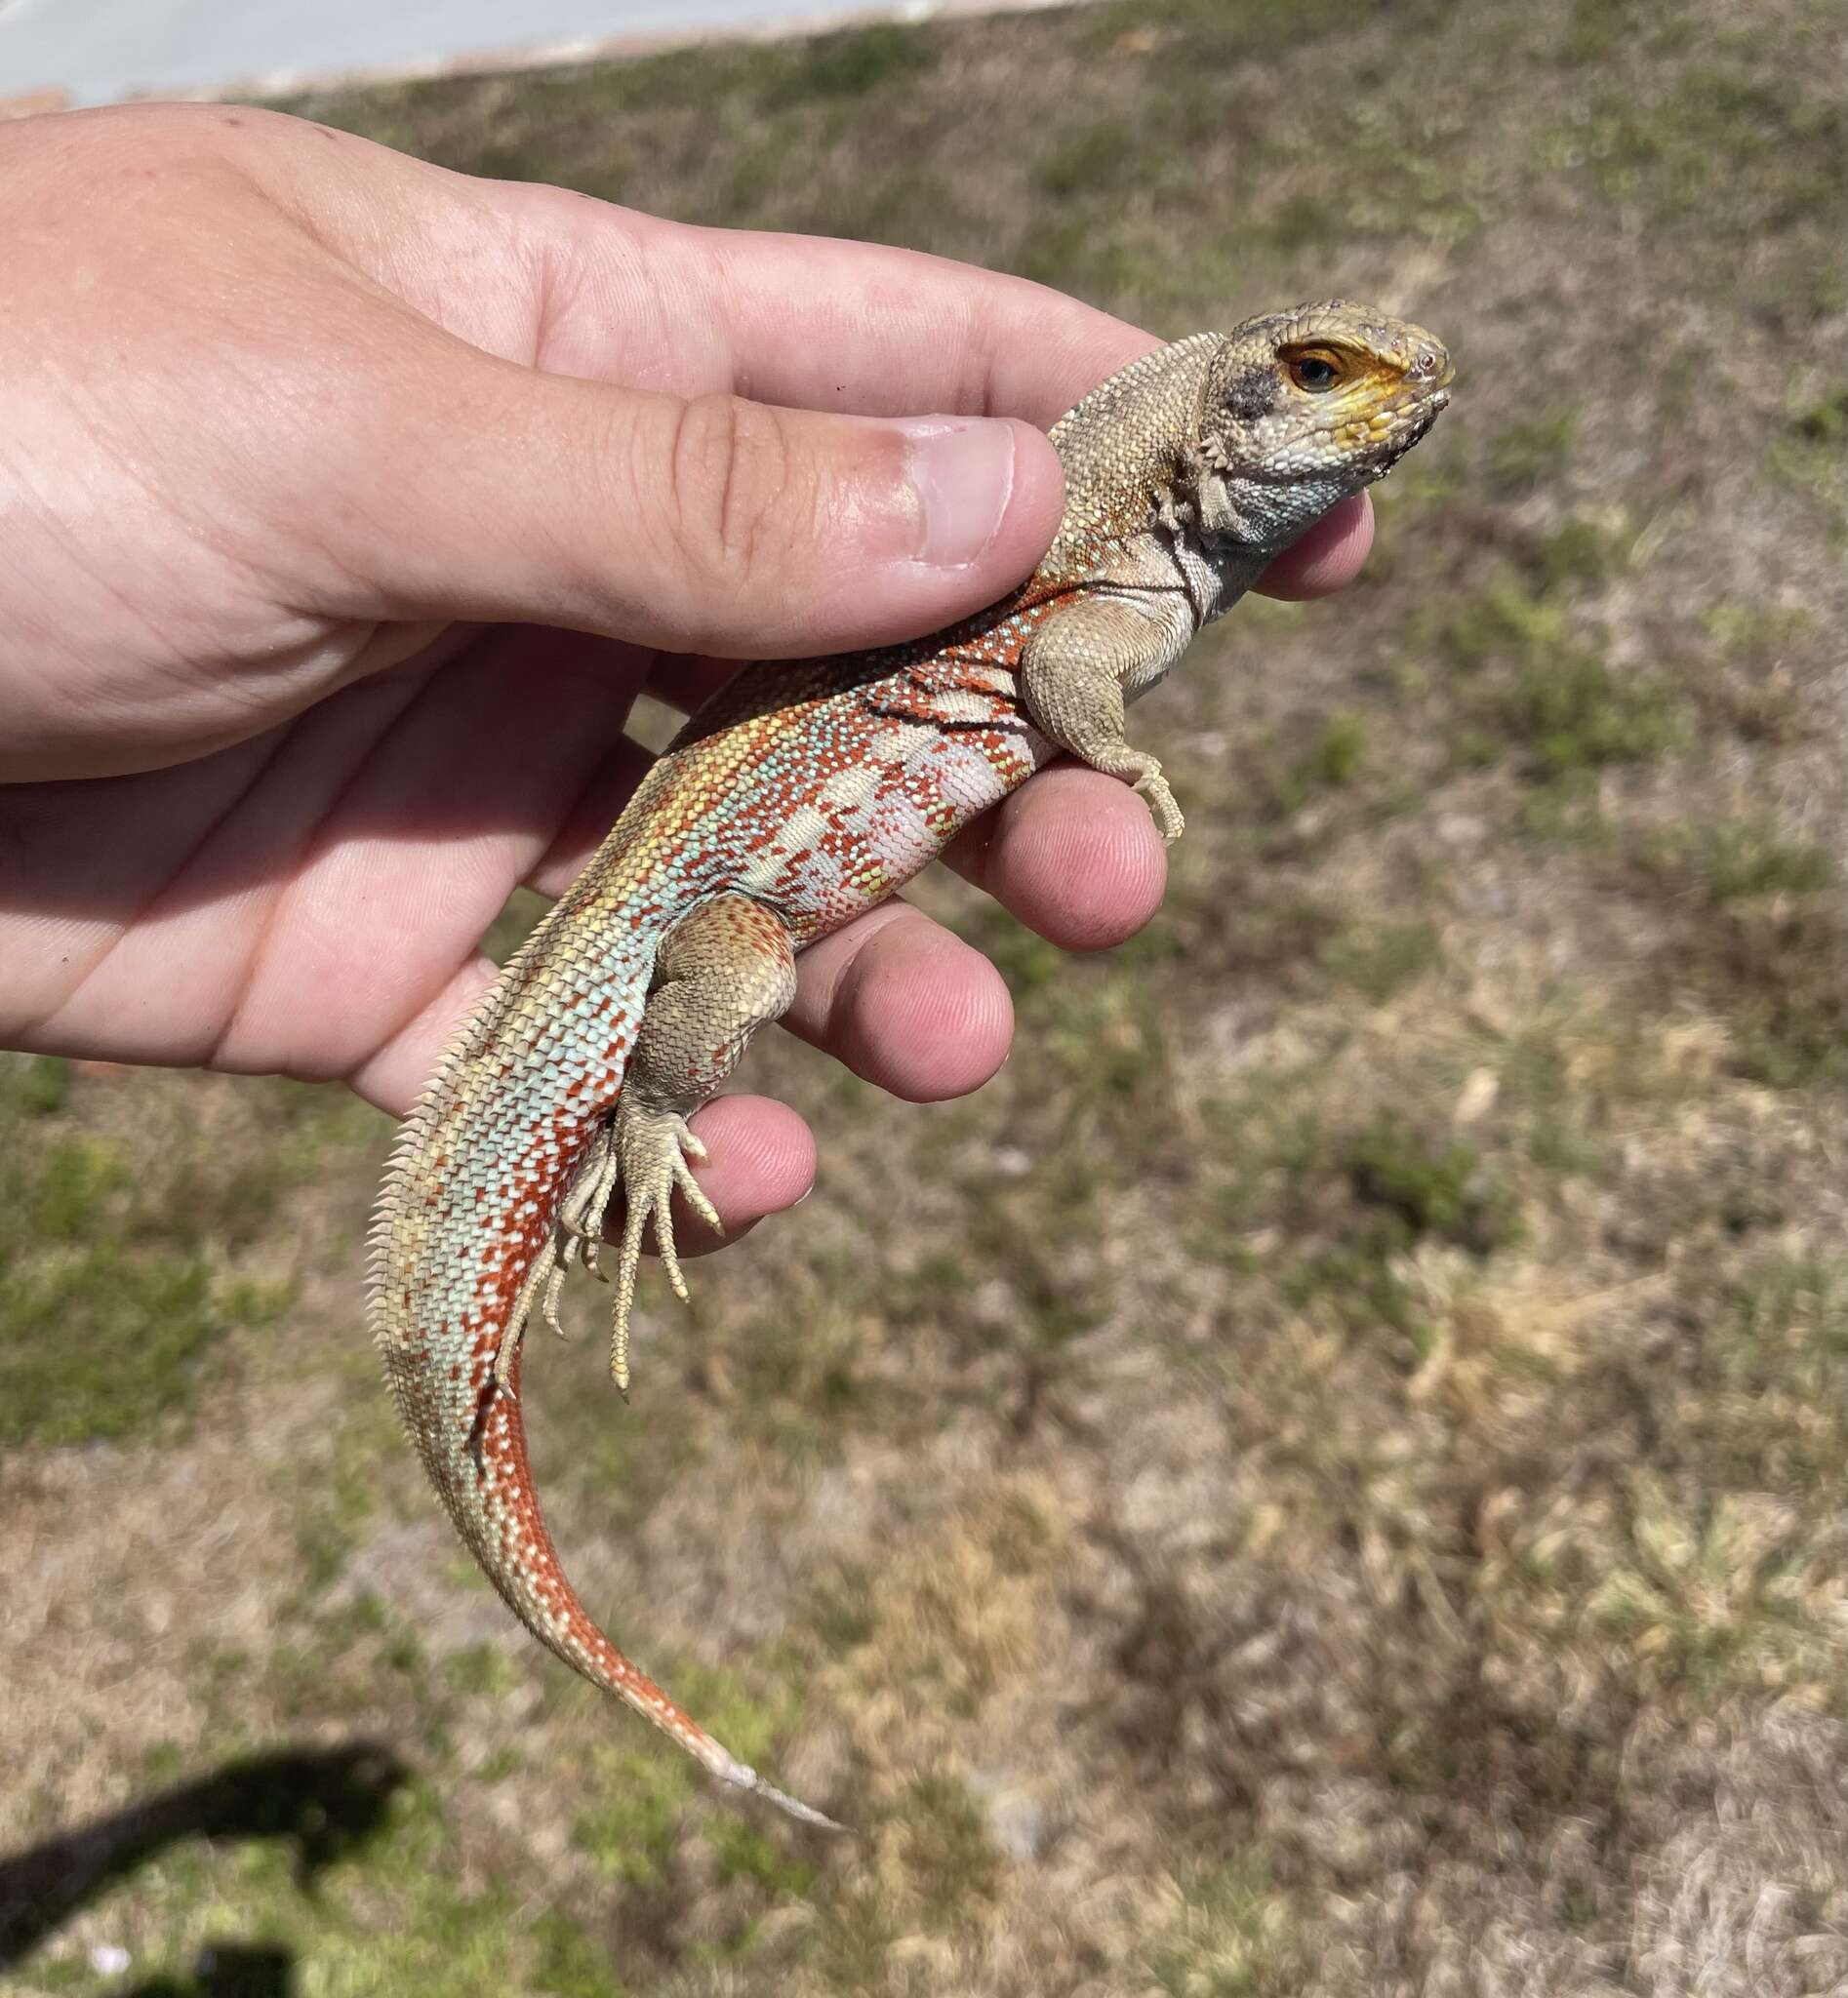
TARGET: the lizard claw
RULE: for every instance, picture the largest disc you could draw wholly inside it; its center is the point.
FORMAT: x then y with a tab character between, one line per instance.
1161	805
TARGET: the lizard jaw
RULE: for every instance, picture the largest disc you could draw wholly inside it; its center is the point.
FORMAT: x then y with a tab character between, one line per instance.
1422	416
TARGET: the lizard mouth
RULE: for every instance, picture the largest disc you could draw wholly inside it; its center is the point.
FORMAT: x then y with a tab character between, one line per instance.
1426	412
1417	421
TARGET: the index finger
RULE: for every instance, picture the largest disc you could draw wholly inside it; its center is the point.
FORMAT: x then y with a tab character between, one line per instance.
811	322
858	326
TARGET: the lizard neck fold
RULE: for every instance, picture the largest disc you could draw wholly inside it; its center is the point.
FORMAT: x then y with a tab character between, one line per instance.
1215	570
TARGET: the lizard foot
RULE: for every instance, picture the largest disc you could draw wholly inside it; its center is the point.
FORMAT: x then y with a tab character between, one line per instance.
576	1236
652	1148
543	1282
1161	804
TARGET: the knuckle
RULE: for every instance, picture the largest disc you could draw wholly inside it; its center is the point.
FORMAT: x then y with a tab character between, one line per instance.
733	474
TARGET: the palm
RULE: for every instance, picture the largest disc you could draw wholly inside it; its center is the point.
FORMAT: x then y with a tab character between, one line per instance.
310	901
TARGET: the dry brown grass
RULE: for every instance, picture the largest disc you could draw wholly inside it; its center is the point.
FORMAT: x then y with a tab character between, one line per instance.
1325	1478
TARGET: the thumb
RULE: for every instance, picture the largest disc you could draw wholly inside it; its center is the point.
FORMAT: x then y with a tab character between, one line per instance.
714	525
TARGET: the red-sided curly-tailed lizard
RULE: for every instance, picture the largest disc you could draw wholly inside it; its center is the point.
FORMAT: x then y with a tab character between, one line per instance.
796	799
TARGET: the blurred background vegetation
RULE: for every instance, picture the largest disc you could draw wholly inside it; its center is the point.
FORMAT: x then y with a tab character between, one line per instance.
1324	1478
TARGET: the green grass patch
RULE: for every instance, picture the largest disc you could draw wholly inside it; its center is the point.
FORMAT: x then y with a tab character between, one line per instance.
481	1671
1234	1937
1576	556
629	1828
1406	1187
853	1943
834	68
1304	222
1769	1414
334	1513
842	1614
1572	713
1787	1325
32	1086
1504	621
1754	633
1533	453
1283	784
952	1867
1102	1023
100	1349
116	1253
1534	684
108	1305
1430	1186
1379	960
1337	1210
799	1372
1778	980
746	1852
1826	420
1042	1232
1734	860
1102	158
1708	1594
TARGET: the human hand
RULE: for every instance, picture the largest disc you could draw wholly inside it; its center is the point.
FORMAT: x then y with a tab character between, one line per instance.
347	505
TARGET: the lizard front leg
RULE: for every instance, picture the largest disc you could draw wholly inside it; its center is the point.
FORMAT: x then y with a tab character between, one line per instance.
1077	670
723	971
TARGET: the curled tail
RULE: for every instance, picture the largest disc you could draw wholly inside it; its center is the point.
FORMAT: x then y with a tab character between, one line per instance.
466	1214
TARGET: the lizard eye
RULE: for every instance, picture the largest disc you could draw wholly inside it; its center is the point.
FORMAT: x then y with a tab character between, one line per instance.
1316	373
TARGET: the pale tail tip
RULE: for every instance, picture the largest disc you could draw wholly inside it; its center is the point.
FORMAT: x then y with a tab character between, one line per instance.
793	1807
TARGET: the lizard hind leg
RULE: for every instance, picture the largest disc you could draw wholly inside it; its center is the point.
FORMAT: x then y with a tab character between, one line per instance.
722	971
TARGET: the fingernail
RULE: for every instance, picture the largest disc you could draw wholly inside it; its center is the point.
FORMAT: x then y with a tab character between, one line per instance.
963	470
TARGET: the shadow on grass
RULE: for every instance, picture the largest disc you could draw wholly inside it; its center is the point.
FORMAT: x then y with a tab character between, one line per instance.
227	1972
326	1802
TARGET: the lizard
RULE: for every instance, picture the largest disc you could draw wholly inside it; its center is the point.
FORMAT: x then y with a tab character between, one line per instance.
795	800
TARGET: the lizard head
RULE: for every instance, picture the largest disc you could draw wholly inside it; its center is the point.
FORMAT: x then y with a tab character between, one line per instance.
1303	408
